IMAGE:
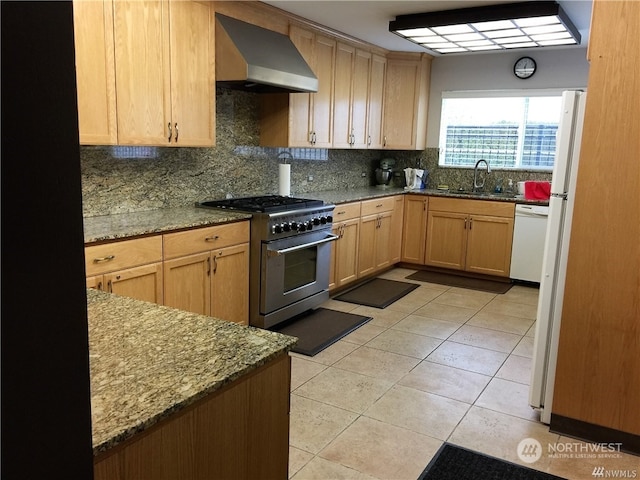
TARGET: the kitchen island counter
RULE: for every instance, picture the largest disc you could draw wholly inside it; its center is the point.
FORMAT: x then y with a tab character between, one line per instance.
126	225
148	362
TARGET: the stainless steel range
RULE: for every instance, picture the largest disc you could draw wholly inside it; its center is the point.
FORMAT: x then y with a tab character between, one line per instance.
290	254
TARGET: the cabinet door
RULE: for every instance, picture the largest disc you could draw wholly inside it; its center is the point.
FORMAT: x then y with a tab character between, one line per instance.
142	283
367	245
95	72
414	229
383	244
187	283
489	245
230	284
95	282
406	102
360	99
322	101
347	252
142	71
192	74
375	100
300	103
343	82
395	236
446	240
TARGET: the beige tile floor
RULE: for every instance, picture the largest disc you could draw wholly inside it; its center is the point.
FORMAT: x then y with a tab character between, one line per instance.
441	364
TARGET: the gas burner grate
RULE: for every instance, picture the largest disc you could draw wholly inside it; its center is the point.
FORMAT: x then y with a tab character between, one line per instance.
264	204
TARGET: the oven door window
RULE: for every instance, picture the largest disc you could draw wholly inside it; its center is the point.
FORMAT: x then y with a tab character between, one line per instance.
300	268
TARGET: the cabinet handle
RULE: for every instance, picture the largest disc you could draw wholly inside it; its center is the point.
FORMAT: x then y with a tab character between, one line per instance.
209	267
215	263
108	258
212	239
314	138
109	287
177	132
465	223
170	132
99	285
470	223
424	206
384	141
341	212
379	205
368	140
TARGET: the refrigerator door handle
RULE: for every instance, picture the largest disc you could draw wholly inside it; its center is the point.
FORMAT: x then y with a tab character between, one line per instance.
563	196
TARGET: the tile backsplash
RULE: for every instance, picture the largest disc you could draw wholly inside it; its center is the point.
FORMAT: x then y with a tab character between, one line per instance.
124	179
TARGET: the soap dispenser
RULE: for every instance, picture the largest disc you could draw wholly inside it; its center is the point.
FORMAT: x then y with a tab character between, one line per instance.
510	186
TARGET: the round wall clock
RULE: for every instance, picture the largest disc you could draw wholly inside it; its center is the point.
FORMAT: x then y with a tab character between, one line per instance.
524	67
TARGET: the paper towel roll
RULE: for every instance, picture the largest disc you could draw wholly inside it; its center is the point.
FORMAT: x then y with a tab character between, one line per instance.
284	179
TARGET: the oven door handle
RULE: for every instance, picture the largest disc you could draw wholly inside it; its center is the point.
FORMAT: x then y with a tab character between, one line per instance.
276	253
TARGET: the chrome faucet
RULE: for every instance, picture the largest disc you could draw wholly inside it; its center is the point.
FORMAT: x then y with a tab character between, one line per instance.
476	186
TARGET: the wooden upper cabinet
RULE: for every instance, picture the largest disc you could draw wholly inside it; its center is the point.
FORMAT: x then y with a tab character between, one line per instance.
351	85
192	73
374	104
303	119
406	101
95	72
164	73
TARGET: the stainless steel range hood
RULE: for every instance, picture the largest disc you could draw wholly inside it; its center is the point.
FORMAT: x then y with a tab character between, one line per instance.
255	59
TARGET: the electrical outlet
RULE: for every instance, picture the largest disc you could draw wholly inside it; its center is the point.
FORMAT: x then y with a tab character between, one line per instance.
310	178
364	174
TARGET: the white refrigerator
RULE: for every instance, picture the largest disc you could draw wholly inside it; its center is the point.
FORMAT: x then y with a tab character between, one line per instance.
554	260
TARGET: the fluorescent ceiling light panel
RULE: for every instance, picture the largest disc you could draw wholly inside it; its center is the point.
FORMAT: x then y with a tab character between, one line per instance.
497	25
415	32
516	25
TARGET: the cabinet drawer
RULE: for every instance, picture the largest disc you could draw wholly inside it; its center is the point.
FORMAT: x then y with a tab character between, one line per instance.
118	255
203	239
346	211
473	207
377	205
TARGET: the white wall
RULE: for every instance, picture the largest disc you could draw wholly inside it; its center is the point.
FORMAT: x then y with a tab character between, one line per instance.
562	68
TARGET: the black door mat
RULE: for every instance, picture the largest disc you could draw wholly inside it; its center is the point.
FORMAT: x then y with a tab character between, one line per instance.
460	281
456	463
378	292
320	328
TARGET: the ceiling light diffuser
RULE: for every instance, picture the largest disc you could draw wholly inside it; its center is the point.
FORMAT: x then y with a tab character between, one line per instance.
502	26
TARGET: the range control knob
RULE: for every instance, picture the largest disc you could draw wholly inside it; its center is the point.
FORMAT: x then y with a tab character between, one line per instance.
277	228
286	227
309	224
302	227
323	220
316	221
329	219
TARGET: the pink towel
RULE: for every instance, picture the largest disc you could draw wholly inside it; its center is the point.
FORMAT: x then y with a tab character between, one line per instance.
537	190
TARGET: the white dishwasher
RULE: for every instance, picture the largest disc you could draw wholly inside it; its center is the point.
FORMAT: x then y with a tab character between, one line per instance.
529	233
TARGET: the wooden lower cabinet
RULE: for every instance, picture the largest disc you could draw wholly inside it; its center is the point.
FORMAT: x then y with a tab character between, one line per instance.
414	230
380	234
470	235
131	268
344	255
214	283
241	431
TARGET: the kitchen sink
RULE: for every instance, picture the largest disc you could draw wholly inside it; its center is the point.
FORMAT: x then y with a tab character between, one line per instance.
471	193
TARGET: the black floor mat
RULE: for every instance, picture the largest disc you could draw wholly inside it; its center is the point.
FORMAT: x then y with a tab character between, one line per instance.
456	463
318	329
378	293
452	280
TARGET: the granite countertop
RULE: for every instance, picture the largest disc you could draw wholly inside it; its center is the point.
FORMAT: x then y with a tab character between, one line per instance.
148	361
358	194
125	225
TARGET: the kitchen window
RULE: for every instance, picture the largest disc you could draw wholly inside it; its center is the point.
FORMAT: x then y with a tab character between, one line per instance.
511	130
